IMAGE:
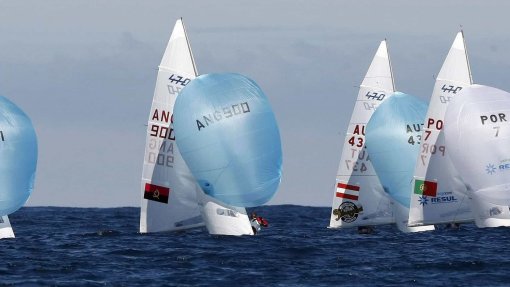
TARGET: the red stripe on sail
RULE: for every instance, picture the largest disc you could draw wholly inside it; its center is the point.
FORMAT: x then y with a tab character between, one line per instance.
347	196
347	186
161	189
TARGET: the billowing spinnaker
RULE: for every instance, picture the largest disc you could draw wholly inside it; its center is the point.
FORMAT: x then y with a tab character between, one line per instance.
228	136
18	157
393	139
477	130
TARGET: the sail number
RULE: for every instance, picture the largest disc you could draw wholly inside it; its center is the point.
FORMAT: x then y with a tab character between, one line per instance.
358	141
450	89
499	118
161	152
162	132
375	96
176	79
356	166
414	128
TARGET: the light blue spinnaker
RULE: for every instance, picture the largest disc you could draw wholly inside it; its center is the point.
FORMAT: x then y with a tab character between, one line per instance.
227	134
393	137
393	141
18	157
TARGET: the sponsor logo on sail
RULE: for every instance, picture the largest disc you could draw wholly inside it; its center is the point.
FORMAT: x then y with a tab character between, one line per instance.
504	165
443	197
156	193
423	200
425	187
490	169
348	212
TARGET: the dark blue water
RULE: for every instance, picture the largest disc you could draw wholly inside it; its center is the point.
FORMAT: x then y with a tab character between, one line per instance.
96	247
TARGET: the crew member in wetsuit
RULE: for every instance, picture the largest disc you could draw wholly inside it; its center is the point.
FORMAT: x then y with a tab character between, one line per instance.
365	229
257	222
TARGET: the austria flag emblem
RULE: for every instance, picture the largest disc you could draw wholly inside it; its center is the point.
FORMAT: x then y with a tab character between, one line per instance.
156	193
347	191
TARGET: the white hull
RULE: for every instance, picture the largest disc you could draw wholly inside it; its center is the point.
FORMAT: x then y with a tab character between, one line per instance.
488	214
401	218
222	219
5	228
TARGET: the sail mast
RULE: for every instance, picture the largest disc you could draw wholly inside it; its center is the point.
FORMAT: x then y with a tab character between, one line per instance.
391	69
189	48
467	58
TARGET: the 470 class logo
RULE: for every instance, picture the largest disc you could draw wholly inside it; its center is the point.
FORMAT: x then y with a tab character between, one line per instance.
348	212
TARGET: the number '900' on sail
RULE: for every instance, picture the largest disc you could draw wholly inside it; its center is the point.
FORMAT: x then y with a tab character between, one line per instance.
358	197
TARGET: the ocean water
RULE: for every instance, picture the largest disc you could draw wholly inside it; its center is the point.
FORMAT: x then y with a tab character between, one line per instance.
101	247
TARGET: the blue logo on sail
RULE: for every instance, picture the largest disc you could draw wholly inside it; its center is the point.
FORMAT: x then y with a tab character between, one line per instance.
490	169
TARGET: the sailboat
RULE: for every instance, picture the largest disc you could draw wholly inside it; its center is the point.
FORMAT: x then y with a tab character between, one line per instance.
390	135
171	198
476	122
438	195
358	197
227	133
18	161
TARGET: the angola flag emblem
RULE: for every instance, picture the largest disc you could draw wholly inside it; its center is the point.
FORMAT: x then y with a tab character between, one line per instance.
425	187
156	193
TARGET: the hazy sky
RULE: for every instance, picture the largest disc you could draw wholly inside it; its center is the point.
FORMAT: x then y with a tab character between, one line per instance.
85	70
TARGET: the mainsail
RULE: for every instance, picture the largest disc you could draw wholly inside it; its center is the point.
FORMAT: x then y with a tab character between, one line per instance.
391	135
358	197
169	191
477	125
447	201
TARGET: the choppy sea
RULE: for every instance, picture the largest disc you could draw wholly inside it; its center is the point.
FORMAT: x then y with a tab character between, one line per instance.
102	247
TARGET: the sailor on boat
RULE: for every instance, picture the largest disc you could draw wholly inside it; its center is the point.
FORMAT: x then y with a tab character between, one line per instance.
257	222
365	229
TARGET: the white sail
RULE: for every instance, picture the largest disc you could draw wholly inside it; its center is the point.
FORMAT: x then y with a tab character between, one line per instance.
358	197
5	228
445	200
477	124
171	198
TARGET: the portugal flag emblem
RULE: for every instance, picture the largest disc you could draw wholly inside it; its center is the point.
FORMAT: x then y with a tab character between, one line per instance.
156	193
425	187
